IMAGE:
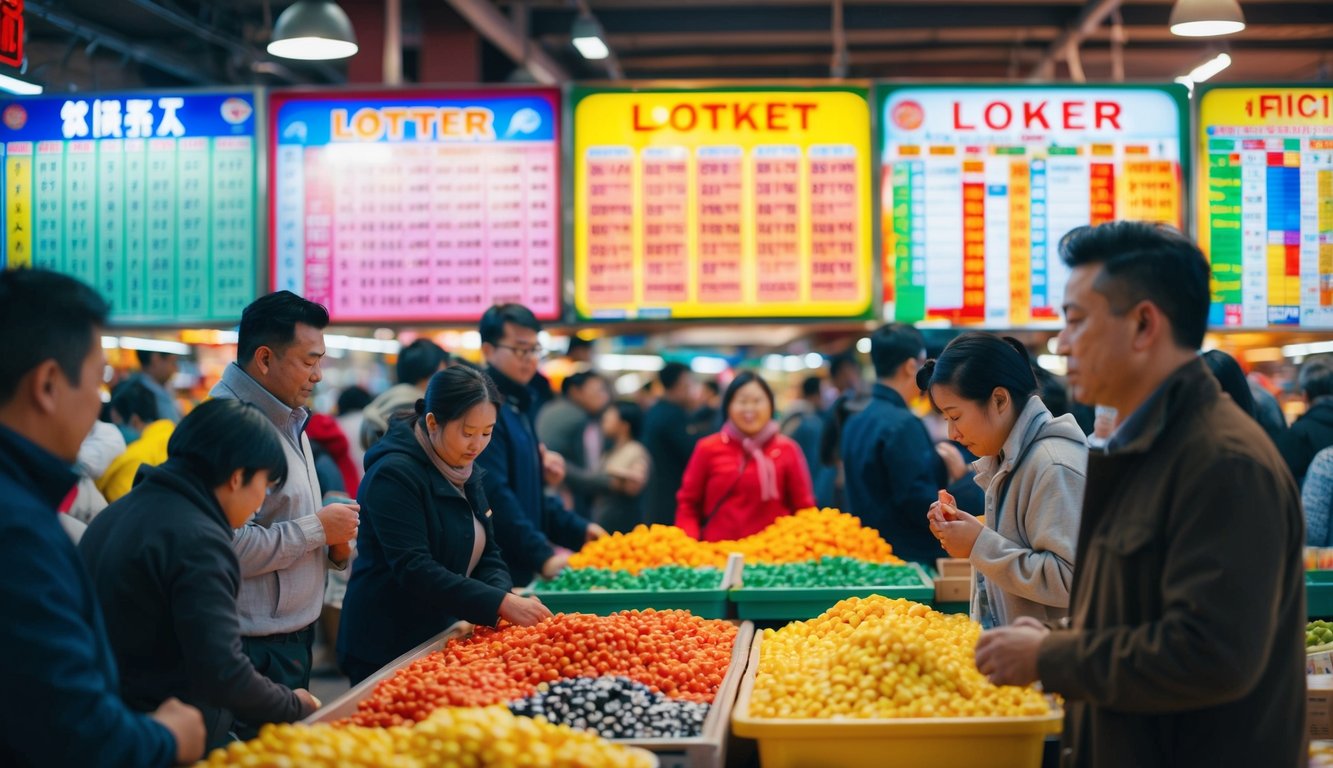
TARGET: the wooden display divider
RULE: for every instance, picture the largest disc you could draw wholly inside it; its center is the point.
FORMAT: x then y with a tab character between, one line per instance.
707	750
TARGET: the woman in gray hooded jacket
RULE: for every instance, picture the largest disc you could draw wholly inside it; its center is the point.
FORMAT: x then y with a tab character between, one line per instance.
1032	468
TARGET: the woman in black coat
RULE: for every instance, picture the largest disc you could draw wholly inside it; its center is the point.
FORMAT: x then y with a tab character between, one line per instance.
426	552
166	576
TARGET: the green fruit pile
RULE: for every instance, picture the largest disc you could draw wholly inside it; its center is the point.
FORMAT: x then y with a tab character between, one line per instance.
665	578
830	572
1318	632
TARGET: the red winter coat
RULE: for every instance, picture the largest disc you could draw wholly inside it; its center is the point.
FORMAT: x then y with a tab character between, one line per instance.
712	482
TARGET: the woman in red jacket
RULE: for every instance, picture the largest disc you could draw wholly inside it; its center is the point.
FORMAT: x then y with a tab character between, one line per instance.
746	476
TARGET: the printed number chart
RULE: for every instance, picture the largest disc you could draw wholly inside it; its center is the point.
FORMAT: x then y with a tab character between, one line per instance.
417	206
148	197
978	185
722	203
1266	204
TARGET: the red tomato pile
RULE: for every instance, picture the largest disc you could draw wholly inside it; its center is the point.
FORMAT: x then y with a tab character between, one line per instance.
673	652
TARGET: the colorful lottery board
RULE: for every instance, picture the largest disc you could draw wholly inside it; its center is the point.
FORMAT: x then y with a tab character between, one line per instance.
417	206
149	197
722	202
1266	204
979	184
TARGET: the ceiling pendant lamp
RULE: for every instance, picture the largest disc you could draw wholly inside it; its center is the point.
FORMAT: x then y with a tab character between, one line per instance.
1206	18
315	30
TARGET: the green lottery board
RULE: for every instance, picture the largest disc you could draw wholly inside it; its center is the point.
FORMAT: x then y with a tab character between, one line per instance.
149	197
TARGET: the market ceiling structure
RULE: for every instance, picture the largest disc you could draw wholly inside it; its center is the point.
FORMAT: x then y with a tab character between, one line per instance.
101	44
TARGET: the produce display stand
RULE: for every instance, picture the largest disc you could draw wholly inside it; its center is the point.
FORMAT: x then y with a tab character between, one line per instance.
994	742
1319	594
704	603
801	603
707	750
346	704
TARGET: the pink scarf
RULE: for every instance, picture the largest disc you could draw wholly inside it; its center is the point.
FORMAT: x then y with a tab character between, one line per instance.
768	474
456	475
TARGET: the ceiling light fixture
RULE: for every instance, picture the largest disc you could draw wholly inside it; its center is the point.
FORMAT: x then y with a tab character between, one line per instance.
1206	18
1205	70
314	30
588	38
21	87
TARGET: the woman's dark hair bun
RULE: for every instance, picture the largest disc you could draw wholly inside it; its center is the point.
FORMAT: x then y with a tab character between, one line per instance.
420	406
924	373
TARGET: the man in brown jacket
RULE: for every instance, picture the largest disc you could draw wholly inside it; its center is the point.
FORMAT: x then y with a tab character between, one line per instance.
1185	645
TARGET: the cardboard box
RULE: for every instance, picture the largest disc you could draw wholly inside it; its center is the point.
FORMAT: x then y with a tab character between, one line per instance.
1319	706
1319	663
953	589
950	567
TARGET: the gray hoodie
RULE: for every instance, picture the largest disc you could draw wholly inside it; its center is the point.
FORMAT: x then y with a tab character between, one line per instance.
1025	554
400	398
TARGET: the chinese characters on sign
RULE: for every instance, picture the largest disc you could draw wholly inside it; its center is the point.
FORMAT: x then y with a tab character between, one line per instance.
151	199
418	206
979	184
1265	208
11	32
722	203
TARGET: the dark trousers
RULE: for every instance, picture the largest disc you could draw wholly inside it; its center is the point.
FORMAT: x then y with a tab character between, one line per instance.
284	659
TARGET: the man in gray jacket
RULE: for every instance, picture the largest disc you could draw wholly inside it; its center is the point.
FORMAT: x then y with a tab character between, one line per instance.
285	549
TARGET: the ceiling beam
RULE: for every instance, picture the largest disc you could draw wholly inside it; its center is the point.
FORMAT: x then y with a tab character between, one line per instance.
500	31
1090	19
158	58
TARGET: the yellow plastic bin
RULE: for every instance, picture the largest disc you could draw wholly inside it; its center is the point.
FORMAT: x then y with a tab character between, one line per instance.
993	742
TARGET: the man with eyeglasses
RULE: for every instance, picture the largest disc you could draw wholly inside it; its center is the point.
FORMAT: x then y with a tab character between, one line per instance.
527	522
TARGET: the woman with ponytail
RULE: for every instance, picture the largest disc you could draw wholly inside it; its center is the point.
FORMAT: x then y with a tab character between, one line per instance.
426	552
746	476
1032	469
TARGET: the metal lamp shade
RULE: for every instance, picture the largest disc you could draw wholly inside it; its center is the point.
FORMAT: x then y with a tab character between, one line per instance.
313	30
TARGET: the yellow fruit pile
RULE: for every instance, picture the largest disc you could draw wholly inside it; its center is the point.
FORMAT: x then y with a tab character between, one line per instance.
488	736
807	535
811	534
881	658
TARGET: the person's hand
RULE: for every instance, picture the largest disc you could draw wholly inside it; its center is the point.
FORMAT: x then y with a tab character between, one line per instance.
308	701
340	553
595	532
554	565
553	467
956	530
523	611
186	725
1008	655
340	522
953	460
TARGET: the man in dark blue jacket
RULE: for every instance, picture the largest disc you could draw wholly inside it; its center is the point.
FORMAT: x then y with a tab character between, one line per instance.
61	705
893	470
527	521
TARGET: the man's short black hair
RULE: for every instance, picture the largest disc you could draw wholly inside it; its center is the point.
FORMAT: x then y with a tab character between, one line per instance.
44	316
146	356
270	321
492	325
842	360
1316	377
1146	262
671	374
893	344
418	361
353	399
811	386
577	381
131	398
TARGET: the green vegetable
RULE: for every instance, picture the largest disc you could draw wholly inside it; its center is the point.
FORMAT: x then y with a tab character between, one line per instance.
666	578
1318	632
830	572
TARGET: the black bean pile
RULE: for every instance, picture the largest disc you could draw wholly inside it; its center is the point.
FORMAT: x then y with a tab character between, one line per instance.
614	708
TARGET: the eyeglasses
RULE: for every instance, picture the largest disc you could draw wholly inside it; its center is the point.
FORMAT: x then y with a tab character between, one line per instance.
523	353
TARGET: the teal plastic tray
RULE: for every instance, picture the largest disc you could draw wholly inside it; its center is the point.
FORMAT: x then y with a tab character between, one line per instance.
1319	594
799	604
